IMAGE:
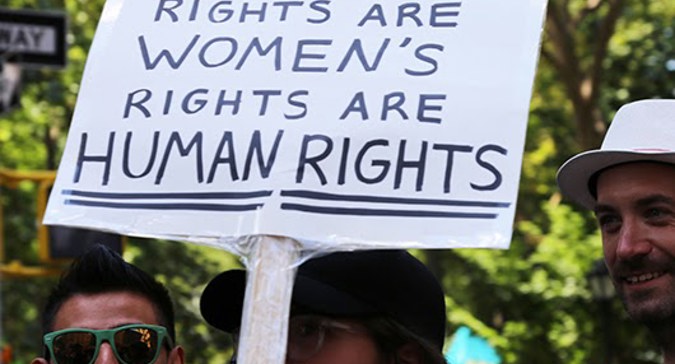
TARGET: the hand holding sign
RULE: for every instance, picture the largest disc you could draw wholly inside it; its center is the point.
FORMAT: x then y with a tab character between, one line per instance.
342	125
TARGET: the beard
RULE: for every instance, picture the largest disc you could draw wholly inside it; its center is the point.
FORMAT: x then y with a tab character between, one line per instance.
652	301
650	307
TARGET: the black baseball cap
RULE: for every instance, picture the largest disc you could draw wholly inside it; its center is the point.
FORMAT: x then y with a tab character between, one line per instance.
389	283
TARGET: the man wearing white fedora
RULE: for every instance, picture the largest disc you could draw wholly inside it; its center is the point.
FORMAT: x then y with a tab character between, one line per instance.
630	185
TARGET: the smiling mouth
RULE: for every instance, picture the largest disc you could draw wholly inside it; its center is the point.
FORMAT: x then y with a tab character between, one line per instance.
643	277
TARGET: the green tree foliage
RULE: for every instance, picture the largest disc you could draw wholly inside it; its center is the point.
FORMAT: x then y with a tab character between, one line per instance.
531	301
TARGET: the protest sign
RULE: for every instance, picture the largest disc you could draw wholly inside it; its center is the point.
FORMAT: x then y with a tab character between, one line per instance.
320	125
340	124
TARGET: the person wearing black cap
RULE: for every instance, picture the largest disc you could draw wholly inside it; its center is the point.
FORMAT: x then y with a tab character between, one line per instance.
630	185
364	307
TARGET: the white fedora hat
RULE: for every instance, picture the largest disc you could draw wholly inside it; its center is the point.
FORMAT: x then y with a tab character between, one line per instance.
642	131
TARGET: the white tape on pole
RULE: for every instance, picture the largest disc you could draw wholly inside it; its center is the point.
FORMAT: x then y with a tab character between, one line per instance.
271	272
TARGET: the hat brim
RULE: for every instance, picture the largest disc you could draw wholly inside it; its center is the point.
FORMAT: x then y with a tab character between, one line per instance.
222	301
575	175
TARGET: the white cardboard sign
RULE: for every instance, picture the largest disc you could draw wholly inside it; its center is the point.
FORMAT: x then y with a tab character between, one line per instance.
338	123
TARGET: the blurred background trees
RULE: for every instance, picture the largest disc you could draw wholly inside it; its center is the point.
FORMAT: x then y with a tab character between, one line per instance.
532	302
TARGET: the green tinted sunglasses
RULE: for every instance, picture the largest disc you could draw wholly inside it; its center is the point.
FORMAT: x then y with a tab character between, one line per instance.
132	344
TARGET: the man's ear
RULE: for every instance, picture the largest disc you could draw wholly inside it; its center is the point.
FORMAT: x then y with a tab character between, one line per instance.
39	361
176	356
410	353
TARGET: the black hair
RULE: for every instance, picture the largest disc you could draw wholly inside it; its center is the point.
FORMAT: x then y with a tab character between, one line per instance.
389	336
102	270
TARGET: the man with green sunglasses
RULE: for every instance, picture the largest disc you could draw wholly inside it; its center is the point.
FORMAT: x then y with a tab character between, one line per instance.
105	310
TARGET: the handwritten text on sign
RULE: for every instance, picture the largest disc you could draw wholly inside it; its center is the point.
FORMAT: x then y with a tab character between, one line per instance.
329	121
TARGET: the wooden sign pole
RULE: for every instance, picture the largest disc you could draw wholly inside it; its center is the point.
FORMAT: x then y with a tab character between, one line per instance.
267	304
